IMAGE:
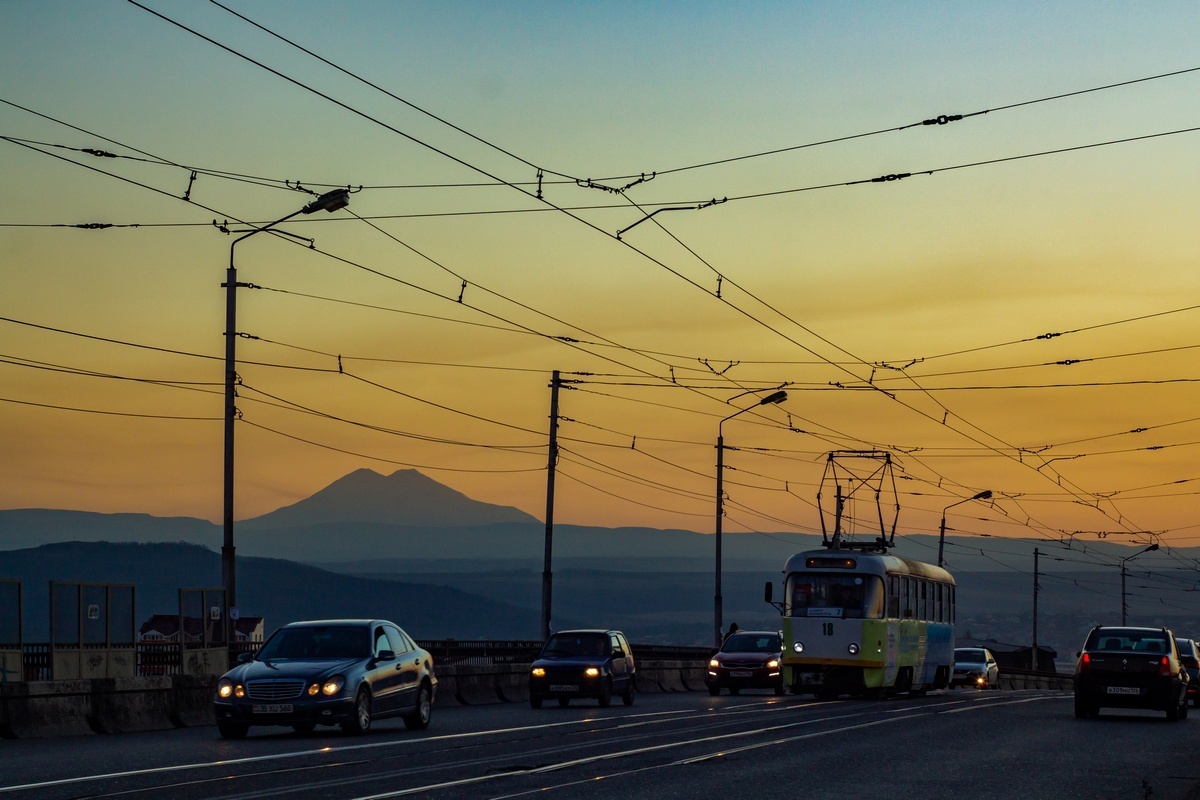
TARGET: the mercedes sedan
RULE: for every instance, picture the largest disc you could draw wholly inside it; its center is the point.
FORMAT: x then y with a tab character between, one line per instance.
328	672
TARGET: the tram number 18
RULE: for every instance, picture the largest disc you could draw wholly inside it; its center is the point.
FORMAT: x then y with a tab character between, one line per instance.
827	628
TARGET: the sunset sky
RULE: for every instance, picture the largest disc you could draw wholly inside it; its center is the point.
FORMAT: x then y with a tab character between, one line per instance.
1019	314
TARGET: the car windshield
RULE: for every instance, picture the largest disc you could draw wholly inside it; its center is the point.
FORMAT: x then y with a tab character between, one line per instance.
1127	640
332	642
576	644
751	643
973	656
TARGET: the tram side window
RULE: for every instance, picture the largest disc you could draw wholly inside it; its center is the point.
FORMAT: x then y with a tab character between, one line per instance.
952	590
924	595
906	598
940	614
893	596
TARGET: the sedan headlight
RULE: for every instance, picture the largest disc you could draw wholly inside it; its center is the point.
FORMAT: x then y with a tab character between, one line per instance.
773	663
333	685
537	672
592	672
714	663
225	688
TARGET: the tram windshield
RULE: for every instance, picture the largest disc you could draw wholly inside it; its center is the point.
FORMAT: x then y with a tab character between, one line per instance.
816	594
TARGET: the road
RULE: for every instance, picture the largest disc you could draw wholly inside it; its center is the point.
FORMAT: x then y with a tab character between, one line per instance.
994	745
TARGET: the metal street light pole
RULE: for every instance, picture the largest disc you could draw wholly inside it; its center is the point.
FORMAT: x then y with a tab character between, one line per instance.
771	399
986	494
1124	607
330	201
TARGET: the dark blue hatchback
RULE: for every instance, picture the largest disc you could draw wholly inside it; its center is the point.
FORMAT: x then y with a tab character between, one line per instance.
592	663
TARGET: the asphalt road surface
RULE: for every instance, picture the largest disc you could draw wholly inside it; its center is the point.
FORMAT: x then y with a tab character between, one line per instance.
952	744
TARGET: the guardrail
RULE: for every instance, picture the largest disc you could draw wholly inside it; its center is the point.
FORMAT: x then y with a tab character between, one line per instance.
166	658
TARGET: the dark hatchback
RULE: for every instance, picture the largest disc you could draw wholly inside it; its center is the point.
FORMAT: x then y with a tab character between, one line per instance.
589	663
746	660
1122	667
328	672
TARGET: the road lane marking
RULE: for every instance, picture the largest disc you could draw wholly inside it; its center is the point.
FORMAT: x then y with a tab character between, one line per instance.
575	762
662	716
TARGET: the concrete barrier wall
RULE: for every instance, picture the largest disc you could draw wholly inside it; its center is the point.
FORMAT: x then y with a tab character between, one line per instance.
40	709
115	705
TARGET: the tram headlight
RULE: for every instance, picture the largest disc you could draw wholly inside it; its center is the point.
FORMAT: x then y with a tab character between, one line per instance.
798	647
853	649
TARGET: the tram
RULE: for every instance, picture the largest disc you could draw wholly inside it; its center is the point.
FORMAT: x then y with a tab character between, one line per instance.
865	623
856	619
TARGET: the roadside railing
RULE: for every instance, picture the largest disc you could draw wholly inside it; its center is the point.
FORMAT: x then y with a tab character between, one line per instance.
166	658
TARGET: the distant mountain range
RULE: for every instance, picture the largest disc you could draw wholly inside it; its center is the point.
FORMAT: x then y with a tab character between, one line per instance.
404	522
444	565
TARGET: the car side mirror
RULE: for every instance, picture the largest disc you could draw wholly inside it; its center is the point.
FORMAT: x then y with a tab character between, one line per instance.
386	655
244	657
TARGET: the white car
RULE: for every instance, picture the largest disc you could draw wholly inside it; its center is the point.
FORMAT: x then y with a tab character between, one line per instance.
975	666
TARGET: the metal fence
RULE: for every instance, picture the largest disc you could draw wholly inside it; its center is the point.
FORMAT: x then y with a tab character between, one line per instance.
166	658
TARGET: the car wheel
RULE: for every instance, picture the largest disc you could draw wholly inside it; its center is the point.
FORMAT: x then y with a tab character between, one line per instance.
1183	712
627	697
360	723
418	720
714	690
605	697
535	701
304	727
733	690
1082	711
1173	712
563	702
779	691
232	730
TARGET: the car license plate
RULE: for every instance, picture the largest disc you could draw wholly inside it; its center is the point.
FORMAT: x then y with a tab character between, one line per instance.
563	687
1124	690
741	673
272	708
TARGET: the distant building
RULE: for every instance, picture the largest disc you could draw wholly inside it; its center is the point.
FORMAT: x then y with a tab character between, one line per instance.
1011	657
165	628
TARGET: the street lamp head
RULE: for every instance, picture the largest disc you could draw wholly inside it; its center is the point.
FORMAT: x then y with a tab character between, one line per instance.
1150	548
330	201
986	494
773	398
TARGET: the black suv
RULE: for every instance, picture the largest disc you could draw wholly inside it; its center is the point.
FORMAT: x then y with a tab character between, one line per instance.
1122	667
589	663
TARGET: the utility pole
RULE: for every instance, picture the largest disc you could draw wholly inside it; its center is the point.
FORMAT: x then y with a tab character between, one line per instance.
1033	658
547	575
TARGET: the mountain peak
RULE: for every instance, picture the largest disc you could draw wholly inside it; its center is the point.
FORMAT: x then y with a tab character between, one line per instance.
406	497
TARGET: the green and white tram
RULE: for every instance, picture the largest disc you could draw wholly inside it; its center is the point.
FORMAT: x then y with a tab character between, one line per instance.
865	623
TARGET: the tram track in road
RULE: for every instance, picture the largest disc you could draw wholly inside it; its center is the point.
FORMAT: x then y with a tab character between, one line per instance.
452	764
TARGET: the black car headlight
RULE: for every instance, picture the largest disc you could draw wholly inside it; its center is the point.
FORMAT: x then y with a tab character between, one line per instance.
537	672
773	663
224	688
714	663
331	686
592	672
